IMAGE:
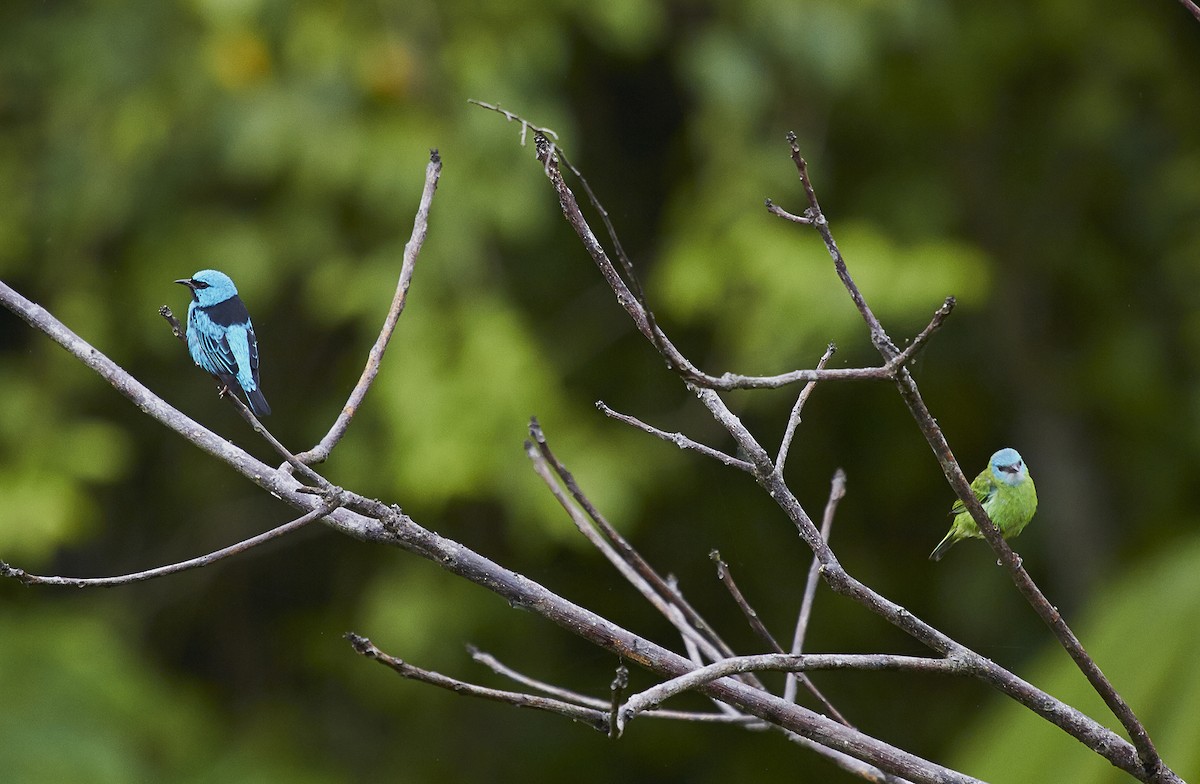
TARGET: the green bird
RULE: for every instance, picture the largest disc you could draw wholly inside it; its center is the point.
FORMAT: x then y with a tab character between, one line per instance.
1006	491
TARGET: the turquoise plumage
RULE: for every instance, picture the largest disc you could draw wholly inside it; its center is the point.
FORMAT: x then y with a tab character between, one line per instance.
221	338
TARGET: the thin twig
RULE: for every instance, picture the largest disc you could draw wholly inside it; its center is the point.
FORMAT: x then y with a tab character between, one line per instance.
725	574
1192	7
688	616
878	335
631	277
939	317
176	327
837	491
726	577
618	686
567	695
182	566
776	662
597	720
636	577
678	439
794	419
320	452
780	212
526	126
851	765
291	460
498	667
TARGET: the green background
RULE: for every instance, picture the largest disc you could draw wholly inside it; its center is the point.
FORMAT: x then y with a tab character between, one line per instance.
1041	161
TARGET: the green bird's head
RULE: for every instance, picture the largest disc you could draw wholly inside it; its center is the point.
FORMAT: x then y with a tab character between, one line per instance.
1008	467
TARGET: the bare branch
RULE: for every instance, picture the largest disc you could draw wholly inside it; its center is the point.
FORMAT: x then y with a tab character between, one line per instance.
837	491
632	575
751	615
176	327
726	577
621	554
939	317
1150	764
678	439
782	662
780	212
412	249
854	767
817	218
498	667
794	419
182	566
619	684
595	719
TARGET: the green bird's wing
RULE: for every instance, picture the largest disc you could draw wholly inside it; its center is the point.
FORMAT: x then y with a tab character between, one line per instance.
983	487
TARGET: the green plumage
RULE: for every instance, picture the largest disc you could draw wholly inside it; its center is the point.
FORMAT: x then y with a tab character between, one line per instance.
1006	491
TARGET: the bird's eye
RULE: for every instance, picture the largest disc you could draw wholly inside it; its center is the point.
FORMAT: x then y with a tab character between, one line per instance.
199	284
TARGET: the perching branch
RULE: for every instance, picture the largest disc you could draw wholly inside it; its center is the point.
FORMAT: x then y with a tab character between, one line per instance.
1148	759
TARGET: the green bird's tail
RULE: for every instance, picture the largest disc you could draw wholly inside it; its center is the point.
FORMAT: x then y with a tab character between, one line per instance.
943	546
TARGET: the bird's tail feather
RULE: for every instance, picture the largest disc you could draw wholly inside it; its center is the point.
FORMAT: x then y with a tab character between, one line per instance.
943	546
258	403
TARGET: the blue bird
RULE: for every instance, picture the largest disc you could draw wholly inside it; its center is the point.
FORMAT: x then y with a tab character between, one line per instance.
220	336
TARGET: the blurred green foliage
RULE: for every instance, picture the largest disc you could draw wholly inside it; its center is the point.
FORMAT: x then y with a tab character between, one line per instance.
1040	162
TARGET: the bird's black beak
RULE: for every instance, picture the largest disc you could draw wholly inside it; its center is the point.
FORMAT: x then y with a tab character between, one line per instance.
191	284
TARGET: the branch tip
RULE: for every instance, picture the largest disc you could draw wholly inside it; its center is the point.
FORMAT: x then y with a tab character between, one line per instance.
535	431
